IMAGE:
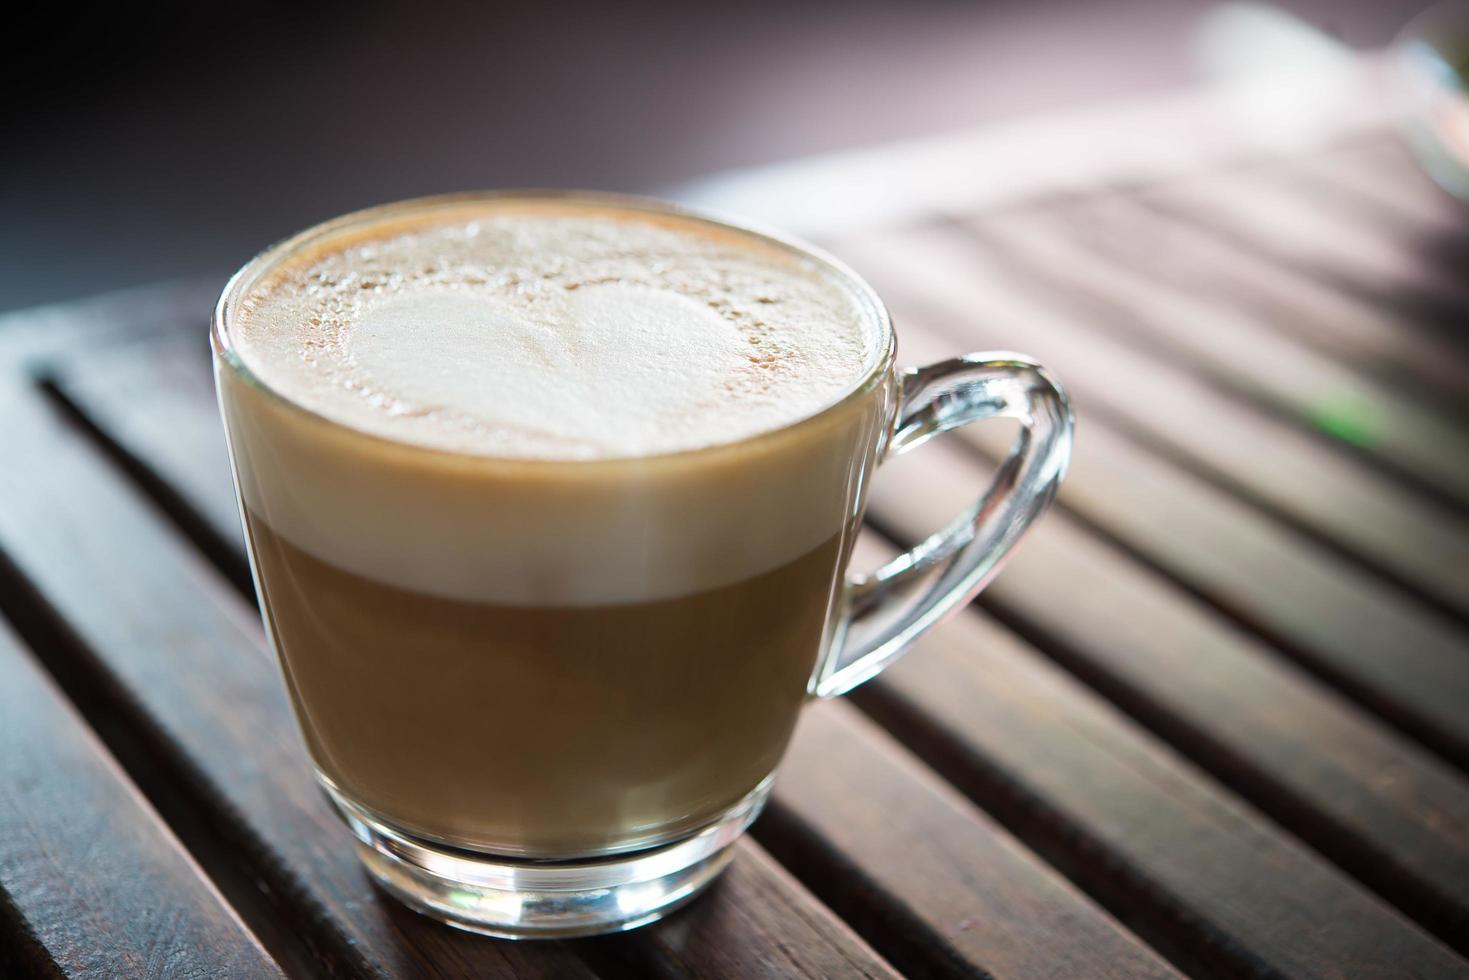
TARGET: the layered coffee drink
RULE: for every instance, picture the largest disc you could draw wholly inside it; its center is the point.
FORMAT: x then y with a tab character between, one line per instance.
547	502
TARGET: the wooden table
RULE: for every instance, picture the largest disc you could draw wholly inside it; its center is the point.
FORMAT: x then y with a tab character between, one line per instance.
1214	718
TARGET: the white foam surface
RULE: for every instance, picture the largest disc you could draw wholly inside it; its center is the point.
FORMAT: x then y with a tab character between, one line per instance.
555	334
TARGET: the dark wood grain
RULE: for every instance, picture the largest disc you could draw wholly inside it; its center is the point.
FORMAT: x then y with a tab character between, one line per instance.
1367	636
181	659
170	372
743	927
94	883
102	562
1369	799
188	471
1196	872
937	885
959	920
1369	639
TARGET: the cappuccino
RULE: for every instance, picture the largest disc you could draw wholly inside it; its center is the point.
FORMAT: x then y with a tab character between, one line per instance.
547	503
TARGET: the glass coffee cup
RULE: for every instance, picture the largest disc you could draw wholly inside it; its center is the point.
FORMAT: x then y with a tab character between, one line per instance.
548	683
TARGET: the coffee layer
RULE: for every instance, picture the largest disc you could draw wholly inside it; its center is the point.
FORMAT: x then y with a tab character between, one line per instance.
550	732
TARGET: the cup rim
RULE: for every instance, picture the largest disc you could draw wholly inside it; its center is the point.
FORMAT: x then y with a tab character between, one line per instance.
269	258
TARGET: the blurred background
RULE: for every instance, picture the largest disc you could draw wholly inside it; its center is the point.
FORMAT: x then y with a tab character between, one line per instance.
177	139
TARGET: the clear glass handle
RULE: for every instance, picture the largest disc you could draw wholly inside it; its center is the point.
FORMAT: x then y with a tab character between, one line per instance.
883	613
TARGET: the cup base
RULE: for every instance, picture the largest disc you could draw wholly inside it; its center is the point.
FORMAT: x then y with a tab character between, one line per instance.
520	898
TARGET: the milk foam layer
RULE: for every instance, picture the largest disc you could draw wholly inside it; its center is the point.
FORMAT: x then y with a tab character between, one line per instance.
554	331
455	328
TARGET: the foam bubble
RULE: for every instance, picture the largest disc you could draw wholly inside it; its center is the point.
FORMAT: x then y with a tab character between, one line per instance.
554	332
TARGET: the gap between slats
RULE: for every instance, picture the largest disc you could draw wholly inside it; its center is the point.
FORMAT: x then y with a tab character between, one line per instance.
22	953
1252	496
106	885
1443	745
1345	847
220	552
133	742
924	705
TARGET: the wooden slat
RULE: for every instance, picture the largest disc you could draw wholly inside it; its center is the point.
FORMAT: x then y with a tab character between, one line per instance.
957	918
1388	651
1225	890
30	337
1379	644
1381	186
742	927
147	618
1376	341
930	278
1373	802
1309	241
1383	171
1254	359
899	853
1425	225
100	885
1278	582
830	830
104	562
193	460
188	473
1392	197
1258	212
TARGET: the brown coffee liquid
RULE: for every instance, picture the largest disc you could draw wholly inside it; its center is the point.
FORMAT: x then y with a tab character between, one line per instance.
544	731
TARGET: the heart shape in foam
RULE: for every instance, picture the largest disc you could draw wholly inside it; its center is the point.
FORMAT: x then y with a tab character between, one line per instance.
615	366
